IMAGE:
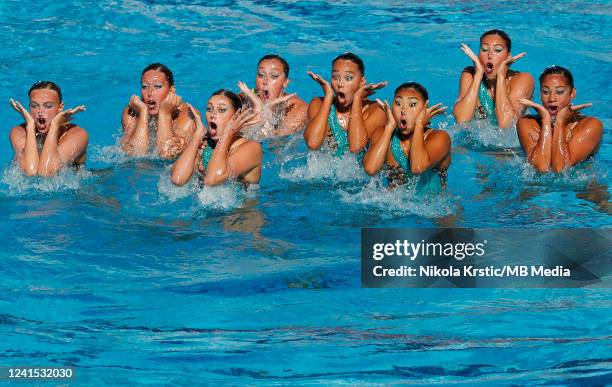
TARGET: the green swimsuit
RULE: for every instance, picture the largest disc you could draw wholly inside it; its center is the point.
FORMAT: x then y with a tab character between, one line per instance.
487	106
429	180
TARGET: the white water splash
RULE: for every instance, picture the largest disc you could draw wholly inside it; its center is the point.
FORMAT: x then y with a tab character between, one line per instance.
16	183
480	134
322	165
404	200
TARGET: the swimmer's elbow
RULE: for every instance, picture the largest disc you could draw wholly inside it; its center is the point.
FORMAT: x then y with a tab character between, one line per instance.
213	179
417	169
178	180
460	117
371	169
541	167
312	144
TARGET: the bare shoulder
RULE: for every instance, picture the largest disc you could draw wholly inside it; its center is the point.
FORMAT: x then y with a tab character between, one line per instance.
17	136
439	137
521	79
591	125
315	102
297	103
469	70
243	145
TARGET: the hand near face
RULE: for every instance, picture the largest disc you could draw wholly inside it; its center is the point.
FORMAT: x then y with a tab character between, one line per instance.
327	89
367	90
567	113
195	115
170	103
136	104
240	119
280	100
468	51
427	113
542	111
65	116
23	111
390	119
252	97
502	70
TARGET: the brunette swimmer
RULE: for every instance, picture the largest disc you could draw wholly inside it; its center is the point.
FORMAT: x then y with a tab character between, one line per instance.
158	117
47	140
406	145
559	136
489	89
344	116
269	95
220	153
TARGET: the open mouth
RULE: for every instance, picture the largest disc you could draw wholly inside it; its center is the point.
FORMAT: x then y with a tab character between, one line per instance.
213	129
489	68
265	95
42	122
151	104
403	124
341	97
553	110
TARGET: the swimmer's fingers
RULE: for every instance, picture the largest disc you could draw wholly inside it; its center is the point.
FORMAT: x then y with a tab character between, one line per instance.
468	51
528	102
436	109
381	104
314	76
376	86
575	108
516	57
280	100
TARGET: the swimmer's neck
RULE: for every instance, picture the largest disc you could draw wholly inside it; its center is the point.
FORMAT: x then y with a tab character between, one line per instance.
404	136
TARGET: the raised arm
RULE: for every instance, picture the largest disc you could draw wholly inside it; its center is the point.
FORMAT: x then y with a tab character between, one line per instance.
318	113
165	125
184	167
55	154
467	102
583	143
428	153
238	162
24	141
135	122
359	128
376	155
508	109
536	138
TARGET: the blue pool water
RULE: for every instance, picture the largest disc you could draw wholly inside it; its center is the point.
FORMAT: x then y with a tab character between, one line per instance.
134	281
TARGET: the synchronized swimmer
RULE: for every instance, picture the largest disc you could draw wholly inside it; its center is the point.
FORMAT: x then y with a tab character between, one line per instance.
396	139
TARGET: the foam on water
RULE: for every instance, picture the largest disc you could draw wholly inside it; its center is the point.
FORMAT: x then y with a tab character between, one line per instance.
481	135
400	201
15	183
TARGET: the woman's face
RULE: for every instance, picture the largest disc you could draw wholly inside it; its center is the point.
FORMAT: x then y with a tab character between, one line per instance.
493	51
44	105
407	105
346	80
556	93
218	113
153	89
271	79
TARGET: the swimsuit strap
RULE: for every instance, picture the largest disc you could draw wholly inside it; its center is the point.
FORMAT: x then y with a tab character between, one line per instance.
206	155
398	153
487	104
339	134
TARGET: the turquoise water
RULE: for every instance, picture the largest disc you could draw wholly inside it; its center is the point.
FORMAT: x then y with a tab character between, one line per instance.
132	280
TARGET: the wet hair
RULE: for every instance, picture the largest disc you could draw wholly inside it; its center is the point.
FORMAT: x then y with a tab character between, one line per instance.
163	68
500	33
353	58
46	85
554	69
236	102
414	86
278	58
